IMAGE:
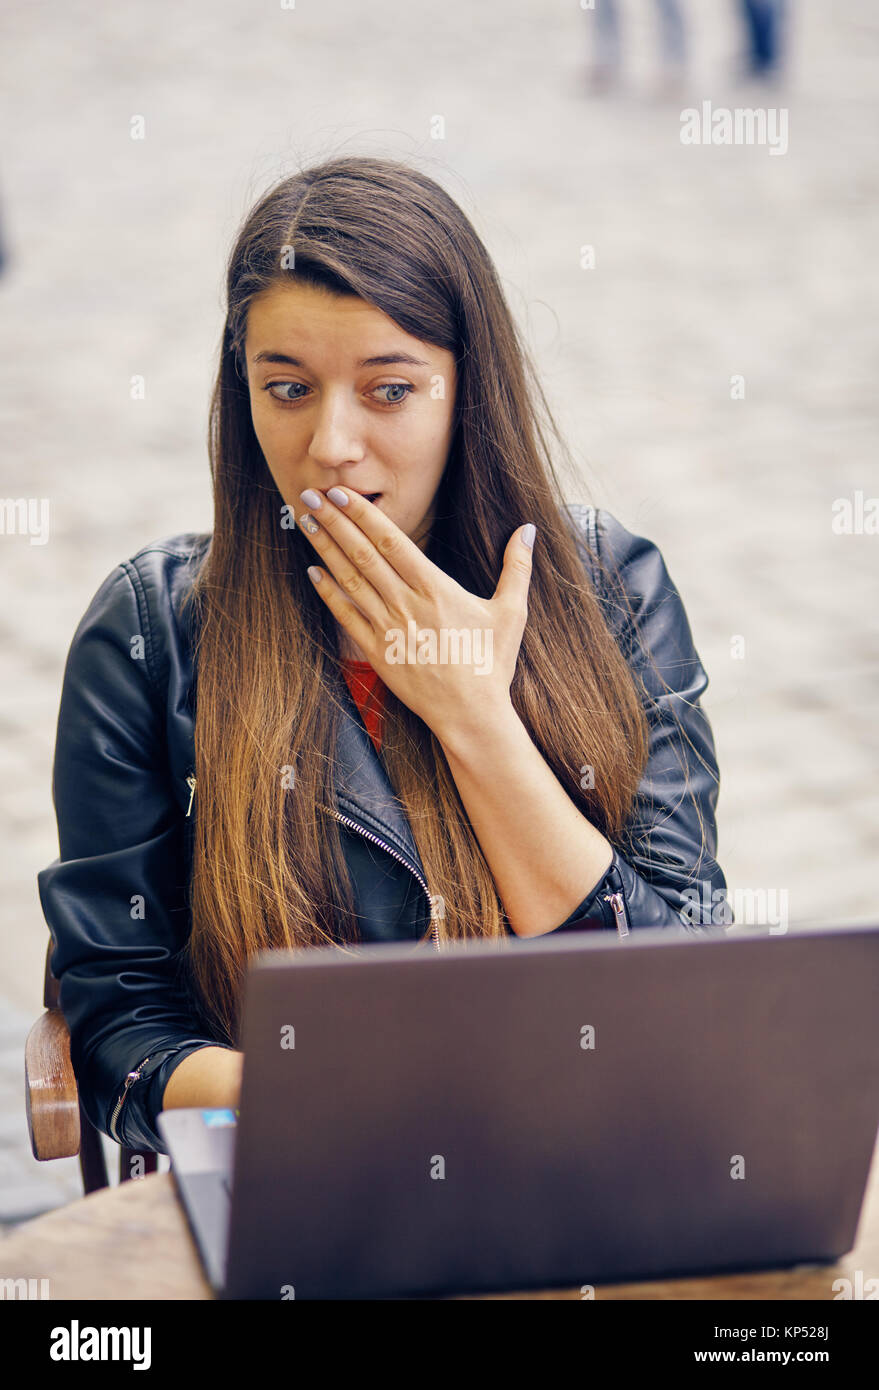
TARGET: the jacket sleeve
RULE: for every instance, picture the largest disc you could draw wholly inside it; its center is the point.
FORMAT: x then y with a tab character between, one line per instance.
115	898
666	870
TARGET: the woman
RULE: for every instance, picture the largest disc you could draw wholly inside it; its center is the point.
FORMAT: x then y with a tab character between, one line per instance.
433	702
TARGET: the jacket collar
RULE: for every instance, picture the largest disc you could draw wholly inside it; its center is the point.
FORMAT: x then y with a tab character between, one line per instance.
363	790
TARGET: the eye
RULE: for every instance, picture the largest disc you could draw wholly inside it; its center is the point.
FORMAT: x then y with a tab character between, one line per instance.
399	390
401	386
283	385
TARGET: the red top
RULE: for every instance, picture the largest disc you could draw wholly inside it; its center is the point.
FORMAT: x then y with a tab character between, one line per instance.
368	693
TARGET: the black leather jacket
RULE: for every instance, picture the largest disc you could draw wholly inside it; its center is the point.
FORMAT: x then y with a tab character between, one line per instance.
116	897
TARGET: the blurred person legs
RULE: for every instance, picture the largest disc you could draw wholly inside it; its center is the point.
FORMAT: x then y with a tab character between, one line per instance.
764	20
607	61
605	70
673	46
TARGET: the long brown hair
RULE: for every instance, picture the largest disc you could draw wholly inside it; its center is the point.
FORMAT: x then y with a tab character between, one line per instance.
268	866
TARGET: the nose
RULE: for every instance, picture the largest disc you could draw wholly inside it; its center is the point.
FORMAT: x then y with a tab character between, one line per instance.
336	437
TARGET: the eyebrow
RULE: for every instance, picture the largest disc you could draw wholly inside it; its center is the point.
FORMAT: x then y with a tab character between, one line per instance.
385	359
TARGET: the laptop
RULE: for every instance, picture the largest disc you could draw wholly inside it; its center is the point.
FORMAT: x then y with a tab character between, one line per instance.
556	1112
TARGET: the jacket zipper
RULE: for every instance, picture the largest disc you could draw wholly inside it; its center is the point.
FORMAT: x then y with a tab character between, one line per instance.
346	820
129	1081
618	906
617	902
434	916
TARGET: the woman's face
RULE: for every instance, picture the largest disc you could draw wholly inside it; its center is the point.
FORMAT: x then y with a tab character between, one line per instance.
340	394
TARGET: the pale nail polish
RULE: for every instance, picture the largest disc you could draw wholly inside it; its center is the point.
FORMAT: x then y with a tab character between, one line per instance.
311	498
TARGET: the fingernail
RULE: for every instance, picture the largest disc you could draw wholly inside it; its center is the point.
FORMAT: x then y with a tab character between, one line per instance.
528	535
311	498
314	574
308	524
336	495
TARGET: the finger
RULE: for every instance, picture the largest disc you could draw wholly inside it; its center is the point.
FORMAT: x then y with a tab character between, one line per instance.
358	627
348	576
515	578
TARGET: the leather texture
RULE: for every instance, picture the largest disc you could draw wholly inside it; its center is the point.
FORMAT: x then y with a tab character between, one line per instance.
115	898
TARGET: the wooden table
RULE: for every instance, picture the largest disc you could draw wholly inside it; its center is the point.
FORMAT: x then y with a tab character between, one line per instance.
133	1242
